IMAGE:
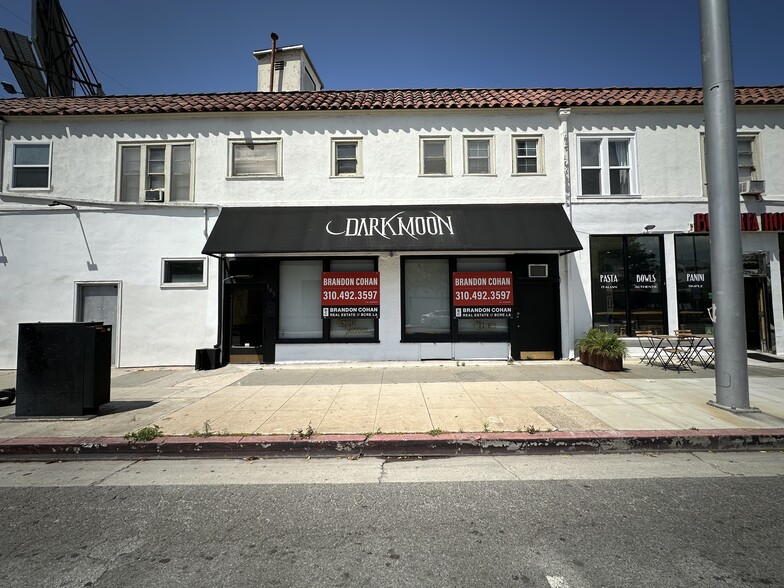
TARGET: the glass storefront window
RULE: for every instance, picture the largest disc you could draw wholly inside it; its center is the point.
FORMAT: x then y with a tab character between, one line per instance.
427	304
692	259
627	275
300	300
645	292
608	284
484	326
352	328
426	297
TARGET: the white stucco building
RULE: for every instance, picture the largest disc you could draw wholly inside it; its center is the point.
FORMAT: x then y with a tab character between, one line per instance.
376	225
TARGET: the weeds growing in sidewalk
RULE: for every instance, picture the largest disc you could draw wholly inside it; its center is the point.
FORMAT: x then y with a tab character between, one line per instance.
206	432
145	433
307	433
435	432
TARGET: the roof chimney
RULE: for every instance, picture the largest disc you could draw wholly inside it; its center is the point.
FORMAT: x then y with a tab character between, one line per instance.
295	72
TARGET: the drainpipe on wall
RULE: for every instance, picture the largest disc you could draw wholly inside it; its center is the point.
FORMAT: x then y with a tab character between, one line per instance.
563	131
2	151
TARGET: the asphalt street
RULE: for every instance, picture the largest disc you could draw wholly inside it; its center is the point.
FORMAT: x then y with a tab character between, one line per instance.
665	519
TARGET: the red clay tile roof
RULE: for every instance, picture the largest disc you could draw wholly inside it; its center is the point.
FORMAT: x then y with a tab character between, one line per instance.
378	100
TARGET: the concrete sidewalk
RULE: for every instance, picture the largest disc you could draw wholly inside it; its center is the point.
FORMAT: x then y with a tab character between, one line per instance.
440	407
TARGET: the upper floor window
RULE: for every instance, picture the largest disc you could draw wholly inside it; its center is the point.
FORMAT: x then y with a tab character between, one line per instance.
527	155
254	158
31	165
478	155
606	166
748	155
434	157
159	172
347	157
748	159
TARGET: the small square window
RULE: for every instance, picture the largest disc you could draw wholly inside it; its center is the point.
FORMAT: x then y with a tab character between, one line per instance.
184	273
346	158
434	157
31	166
527	155
478	156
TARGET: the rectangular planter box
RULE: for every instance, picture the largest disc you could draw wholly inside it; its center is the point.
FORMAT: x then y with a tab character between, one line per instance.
607	364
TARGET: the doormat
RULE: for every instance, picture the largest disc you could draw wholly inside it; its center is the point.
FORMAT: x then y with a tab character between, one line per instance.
766	358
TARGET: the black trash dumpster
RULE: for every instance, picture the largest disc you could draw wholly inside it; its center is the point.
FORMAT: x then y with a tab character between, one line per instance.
63	369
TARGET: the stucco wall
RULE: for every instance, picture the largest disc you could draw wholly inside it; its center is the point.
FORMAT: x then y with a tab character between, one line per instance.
85	154
46	252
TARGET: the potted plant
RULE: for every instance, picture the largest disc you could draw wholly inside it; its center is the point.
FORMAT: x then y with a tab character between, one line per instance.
602	350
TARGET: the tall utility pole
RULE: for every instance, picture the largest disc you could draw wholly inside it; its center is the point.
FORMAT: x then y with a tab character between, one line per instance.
721	163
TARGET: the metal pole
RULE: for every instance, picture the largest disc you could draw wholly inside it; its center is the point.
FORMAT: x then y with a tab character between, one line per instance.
721	163
272	62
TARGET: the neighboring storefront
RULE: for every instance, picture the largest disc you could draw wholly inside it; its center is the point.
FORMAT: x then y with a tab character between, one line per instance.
629	288
389	280
627	278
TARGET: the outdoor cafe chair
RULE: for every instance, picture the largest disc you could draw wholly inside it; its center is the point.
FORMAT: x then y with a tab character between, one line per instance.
679	356
704	352
647	345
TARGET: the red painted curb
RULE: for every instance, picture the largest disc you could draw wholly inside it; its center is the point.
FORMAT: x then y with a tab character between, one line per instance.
448	444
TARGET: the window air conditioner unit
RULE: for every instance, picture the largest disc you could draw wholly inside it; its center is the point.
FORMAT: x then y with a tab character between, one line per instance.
153	195
752	187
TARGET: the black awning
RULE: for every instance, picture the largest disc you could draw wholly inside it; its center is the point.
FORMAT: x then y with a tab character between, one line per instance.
485	227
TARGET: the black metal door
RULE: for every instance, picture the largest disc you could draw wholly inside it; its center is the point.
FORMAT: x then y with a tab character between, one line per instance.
536	318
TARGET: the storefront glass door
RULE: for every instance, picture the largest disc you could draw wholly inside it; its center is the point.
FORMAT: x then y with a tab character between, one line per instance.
247	325
692	260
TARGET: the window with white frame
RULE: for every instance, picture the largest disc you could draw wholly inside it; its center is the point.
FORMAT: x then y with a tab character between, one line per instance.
156	172
478	155
347	157
606	166
527	155
748	158
188	272
31	165
254	159
434	156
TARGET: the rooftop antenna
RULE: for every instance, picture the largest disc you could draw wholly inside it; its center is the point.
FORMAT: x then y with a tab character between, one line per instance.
272	61
50	62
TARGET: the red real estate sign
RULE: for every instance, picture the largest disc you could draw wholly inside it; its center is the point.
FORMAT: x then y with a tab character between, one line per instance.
482	294
350	295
